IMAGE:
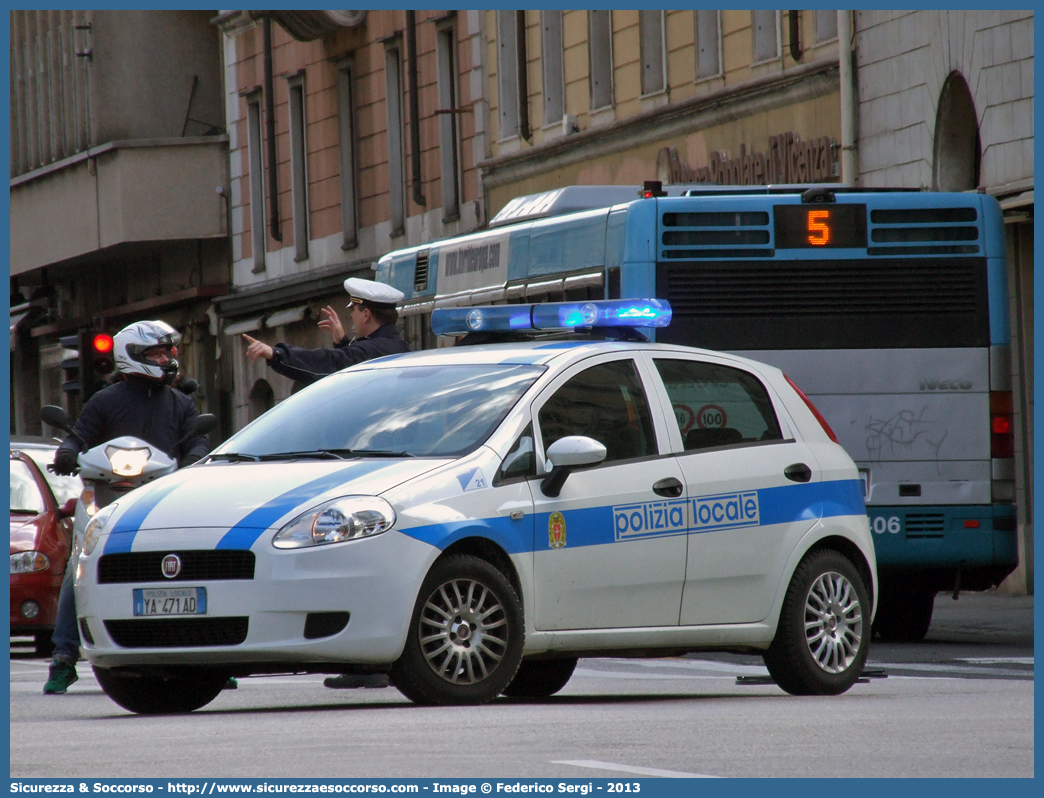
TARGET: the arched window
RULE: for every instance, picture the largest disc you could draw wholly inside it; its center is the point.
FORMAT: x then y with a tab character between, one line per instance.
958	151
262	399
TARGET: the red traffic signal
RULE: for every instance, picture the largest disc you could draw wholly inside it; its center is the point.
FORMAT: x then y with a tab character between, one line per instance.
101	352
102	343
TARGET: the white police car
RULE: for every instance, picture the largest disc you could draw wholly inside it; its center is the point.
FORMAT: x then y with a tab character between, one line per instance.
471	520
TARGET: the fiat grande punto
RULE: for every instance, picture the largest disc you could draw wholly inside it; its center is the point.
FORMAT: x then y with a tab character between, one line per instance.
471	520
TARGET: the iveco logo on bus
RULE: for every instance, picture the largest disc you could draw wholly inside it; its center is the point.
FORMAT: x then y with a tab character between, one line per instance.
946	385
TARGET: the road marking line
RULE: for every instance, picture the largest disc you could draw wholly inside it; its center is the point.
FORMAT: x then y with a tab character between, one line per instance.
998	660
650	677
639	771
967	670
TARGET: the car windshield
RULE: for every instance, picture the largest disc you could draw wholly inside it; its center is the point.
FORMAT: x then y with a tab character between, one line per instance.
25	493
421	411
63	487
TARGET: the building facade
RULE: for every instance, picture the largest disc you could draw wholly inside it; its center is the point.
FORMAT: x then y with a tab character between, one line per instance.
352	133
946	103
619	97
118	189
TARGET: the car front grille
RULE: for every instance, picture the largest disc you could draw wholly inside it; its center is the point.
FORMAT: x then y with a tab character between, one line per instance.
178	632
196	566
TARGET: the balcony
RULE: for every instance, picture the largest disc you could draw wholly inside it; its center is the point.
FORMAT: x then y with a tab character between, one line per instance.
123	192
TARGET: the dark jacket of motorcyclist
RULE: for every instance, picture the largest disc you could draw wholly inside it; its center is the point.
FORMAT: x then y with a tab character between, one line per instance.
143	404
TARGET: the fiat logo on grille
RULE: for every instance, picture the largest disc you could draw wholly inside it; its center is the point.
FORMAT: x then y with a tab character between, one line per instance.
171	566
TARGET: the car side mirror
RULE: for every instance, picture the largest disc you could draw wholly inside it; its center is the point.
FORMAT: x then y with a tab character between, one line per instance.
567	454
68	510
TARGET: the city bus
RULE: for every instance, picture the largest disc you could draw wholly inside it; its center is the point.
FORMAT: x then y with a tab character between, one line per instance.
887	307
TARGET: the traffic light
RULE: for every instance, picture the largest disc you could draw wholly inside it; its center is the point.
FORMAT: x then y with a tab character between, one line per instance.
96	361
90	360
72	379
101	352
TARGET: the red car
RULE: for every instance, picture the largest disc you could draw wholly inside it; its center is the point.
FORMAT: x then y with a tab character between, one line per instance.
41	536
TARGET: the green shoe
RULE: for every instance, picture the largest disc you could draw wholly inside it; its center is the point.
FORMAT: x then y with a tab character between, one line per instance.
59	677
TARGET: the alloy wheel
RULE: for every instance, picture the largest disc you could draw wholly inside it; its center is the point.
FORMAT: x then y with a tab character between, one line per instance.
463	631
833	622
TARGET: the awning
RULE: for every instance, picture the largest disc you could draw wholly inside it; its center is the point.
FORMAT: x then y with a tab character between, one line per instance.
286	316
247	325
1017	201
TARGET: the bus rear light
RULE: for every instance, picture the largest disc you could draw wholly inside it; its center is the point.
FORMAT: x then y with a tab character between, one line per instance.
819	416
1002	425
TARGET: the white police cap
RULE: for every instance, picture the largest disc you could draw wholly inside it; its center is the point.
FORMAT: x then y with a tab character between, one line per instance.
371	293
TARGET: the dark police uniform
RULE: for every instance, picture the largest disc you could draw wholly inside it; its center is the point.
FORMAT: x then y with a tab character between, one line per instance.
309	365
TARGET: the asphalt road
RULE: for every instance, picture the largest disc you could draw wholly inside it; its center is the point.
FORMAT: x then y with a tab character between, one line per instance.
959	704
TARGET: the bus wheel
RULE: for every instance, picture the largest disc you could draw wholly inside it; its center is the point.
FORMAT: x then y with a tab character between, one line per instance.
540	678
823	634
904	613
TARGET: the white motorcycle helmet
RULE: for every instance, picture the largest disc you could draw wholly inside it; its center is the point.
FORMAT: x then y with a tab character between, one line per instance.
130	343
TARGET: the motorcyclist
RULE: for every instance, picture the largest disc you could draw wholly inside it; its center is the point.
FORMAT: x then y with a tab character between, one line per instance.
141	404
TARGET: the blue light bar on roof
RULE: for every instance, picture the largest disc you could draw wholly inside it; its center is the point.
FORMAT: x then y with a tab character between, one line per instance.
552	316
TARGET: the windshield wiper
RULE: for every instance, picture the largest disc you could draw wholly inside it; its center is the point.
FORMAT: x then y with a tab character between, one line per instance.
234	457
333	454
377	453
315	454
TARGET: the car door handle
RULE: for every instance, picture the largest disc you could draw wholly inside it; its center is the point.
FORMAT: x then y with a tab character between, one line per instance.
668	487
798	472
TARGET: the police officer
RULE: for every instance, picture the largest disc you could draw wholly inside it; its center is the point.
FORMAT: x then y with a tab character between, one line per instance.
373	320
143	404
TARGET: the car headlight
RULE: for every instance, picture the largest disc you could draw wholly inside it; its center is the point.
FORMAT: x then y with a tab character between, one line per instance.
29	562
346	518
96	528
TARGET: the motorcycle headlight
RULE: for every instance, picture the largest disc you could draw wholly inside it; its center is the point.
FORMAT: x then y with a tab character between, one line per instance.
29	562
96	528
346	518
127	462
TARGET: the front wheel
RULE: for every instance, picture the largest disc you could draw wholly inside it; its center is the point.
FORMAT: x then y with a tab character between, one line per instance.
823	635
465	637
183	691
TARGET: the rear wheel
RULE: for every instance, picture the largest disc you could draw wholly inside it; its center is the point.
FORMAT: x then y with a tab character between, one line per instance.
540	678
44	644
823	635
465	638
182	691
904	613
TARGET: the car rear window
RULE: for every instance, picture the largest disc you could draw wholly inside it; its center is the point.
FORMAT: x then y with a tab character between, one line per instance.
716	405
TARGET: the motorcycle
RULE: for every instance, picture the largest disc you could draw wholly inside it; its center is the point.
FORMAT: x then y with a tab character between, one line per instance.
116	467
